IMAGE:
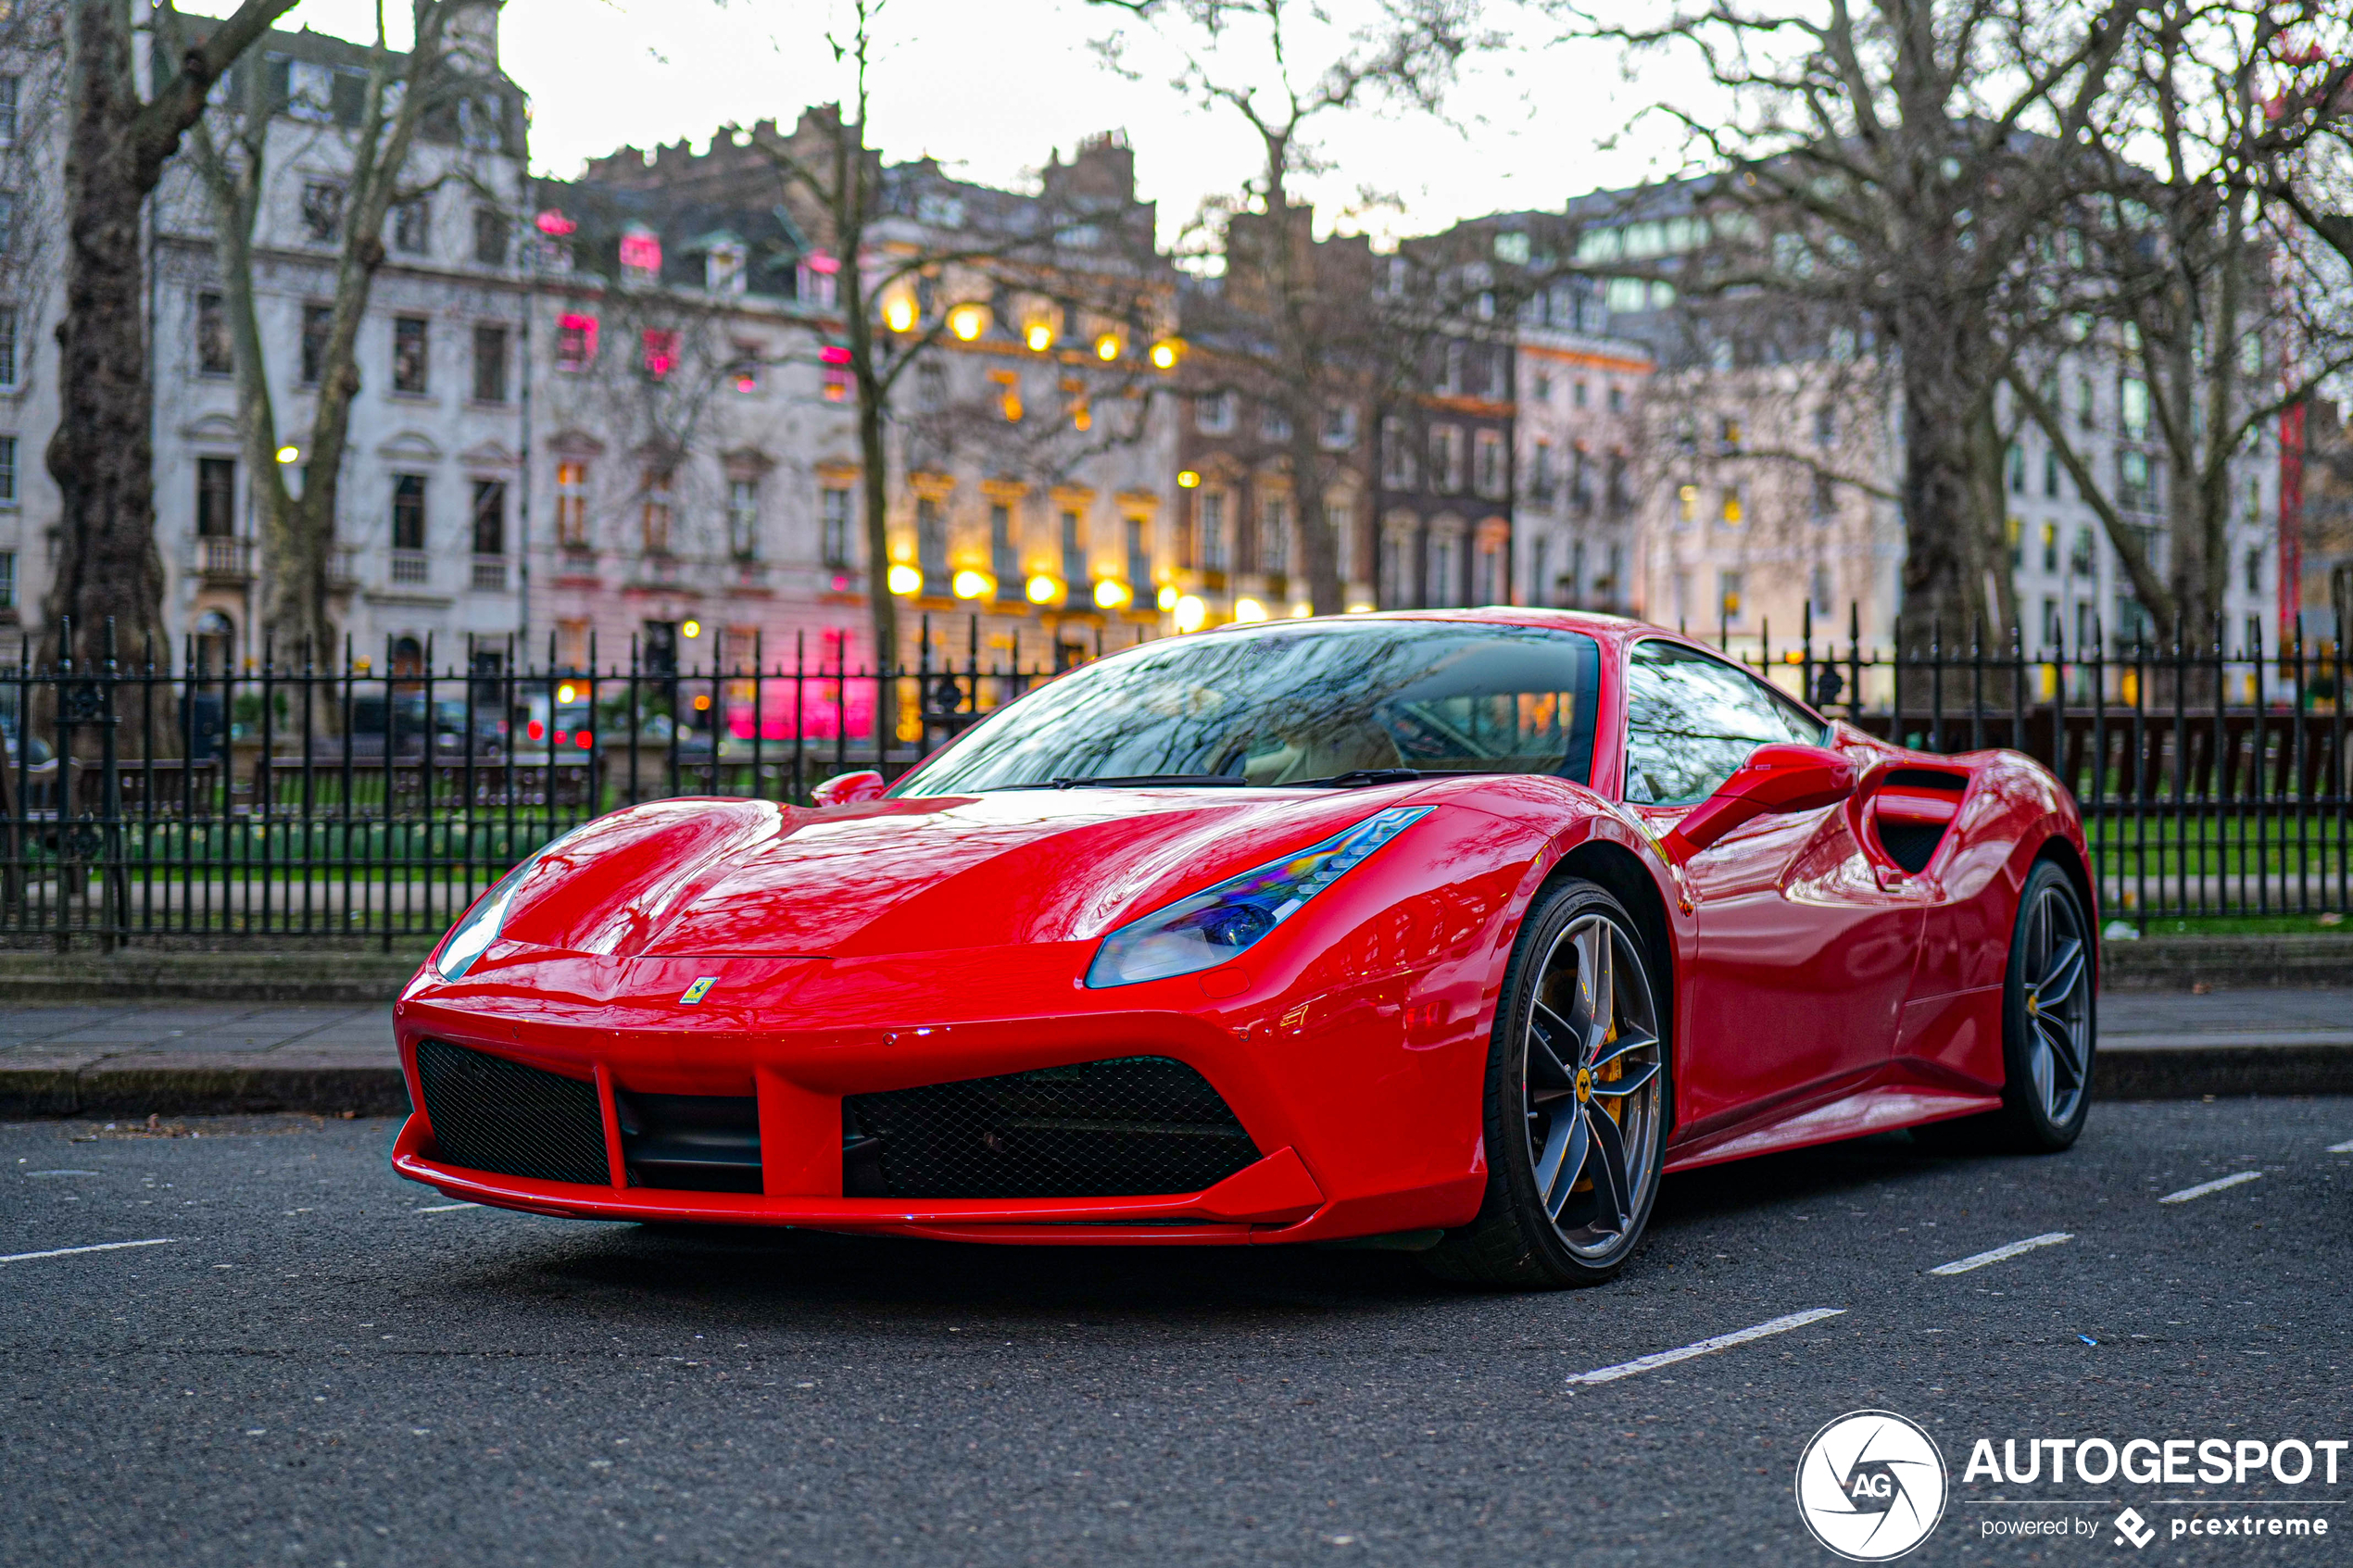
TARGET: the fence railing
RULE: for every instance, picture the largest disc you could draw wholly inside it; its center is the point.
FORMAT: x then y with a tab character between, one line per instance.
141	801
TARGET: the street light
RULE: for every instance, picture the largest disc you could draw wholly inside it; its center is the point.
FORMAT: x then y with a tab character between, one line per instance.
904	580
1044	590
970	584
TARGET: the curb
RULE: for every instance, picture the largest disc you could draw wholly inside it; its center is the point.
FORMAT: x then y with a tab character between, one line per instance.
2188	1072
2182	964
44	980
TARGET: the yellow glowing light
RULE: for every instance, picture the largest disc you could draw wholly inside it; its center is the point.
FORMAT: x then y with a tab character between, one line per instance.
1164	354
1301	612
970	584
904	580
566	695
702	701
1107	347
1360	610
1188	479
1249	611
899	313
1166	597
1040	337
1110	593
1044	590
690	628
1191	613
290	454
968	321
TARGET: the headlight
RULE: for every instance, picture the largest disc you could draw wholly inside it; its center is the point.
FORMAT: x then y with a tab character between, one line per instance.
1214	925
472	935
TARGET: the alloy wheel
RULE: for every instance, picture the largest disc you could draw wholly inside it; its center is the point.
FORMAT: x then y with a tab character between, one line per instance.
2059	995
1593	1083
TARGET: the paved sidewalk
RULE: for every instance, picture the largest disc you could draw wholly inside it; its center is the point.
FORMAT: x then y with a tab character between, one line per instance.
194	1058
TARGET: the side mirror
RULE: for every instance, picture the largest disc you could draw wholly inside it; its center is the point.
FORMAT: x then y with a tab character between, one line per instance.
1779	777
849	789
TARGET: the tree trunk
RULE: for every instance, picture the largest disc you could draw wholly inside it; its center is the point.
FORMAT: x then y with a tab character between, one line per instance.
1945	528
102	456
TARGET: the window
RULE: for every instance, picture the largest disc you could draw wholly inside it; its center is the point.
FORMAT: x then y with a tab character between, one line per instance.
1396	456
216	497
408	357
2135	489
1825	426
1140	559
1212	533
572	505
1692	721
7	349
1735	511
2054	625
318	321
1540	476
1004	558
1487	565
2133	408
660	352
743	519
1491	475
1617	400
407	512
576	343
2050	547
9	87
7	471
743	371
2017	469
490	364
1214	413
1687	504
1728	597
1341	519
1825	497
1577	395
1445	569
1539	590
653	513
2087	412
640	254
413	226
1273	424
1450	378
492	232
213	356
490	517
1818	594
2254	571
7	221
1727	434
931	545
7	580
1446	460
322	211
479	122
1340	426
1274	534
1074	542
833	522
310	91
723	269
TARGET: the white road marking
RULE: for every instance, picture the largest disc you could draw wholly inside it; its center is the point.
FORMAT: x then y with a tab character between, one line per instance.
68	1251
1979	1260
1705	1346
2217	1184
2345	1148
444	1208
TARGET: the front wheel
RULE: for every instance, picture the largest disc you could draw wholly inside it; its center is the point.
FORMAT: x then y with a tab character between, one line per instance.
1576	1103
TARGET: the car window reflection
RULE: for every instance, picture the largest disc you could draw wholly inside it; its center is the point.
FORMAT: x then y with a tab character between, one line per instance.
1692	721
1291	705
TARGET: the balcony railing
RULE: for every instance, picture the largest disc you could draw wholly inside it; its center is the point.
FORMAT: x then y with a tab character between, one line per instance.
221	560
490	574
411	569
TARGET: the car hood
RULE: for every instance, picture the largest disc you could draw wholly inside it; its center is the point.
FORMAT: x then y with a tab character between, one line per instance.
736	877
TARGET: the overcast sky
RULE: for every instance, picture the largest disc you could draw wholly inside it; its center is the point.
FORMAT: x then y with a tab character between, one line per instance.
993	86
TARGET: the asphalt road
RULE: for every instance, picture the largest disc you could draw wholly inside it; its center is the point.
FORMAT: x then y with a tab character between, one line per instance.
326	1365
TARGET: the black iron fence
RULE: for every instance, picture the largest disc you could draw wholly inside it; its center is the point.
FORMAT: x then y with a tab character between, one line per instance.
147	801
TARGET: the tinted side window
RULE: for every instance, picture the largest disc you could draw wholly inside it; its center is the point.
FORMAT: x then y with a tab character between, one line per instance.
1691	719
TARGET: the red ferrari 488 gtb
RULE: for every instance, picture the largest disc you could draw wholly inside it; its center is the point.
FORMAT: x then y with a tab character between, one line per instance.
1453	929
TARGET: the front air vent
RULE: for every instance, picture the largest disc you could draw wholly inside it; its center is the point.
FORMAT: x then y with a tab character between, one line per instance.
1124	1128
1911	810
690	1143
492	1114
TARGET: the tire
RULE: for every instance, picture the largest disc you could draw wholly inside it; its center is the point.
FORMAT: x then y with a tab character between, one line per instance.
1577	1103
2050	1030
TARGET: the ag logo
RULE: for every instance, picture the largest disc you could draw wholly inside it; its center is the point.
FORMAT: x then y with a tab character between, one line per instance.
1870	1486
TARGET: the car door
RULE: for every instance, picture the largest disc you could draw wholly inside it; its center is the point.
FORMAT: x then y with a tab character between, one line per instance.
1803	958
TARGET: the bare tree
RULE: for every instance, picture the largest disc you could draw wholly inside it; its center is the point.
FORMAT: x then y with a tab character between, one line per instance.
1278	68
1898	162
102	456
233	158
2200	285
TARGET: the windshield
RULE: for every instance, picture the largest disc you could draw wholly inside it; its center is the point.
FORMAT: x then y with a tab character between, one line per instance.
1291	705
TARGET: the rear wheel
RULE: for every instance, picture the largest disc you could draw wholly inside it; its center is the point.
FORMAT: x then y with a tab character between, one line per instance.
1576	1104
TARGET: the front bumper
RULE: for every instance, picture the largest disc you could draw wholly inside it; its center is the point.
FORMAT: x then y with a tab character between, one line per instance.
794	1035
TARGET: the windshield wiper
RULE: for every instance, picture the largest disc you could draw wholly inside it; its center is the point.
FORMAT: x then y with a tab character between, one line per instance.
1120	780
1358	777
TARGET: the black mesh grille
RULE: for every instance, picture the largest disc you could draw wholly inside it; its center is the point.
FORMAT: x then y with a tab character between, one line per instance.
1126	1128
491	1114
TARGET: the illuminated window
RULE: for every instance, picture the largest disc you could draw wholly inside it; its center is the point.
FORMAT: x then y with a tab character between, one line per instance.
1008	383
572	505
641	252
653	514
1735	512
1686	503
1728	597
576	342
660	352
743	374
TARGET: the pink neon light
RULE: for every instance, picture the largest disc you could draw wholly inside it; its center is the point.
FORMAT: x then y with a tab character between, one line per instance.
641	251
834	354
820	262
556	224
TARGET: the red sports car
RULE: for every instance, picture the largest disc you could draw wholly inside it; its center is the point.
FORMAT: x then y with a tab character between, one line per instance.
1448	930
